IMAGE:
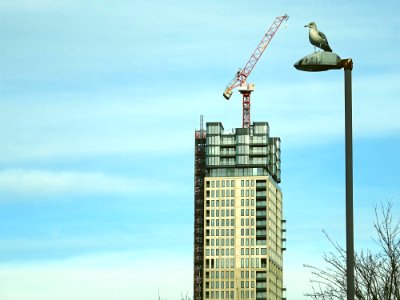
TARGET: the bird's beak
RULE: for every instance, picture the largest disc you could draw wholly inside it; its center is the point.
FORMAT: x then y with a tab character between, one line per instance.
307	25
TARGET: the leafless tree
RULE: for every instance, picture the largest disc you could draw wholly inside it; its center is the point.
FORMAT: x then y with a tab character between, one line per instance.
183	297
377	273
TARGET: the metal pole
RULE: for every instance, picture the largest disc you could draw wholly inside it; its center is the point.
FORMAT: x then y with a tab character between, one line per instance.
348	66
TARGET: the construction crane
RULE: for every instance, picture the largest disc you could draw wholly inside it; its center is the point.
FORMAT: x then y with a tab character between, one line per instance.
242	74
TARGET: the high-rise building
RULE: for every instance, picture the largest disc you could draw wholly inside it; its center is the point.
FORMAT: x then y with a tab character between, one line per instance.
239	231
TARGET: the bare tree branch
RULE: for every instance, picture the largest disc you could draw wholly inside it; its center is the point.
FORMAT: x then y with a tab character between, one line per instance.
377	275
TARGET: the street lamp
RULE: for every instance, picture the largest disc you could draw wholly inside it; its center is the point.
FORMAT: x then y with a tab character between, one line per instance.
324	61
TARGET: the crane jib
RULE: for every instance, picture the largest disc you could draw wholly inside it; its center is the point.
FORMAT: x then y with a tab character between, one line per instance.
239	80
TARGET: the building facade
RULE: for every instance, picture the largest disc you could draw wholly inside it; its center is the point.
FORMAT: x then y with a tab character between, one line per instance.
239	227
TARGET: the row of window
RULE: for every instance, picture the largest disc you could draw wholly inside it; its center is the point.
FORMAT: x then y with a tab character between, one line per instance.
224	222
220	232
216	213
216	203
240	160
253	263
231	193
220	183
219	284
220	242
223	274
216	263
240	139
231	251
230	295
253	251
220	252
227	202
224	193
220	295
228	183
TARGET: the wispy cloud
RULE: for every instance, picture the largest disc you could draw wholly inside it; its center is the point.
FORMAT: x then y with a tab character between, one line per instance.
107	276
31	183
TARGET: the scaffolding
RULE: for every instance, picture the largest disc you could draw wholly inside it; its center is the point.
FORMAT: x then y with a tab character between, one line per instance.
199	173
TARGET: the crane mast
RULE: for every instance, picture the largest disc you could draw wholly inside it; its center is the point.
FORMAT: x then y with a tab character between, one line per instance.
240	78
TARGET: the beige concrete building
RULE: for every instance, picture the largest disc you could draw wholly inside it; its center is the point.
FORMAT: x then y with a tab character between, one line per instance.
239	228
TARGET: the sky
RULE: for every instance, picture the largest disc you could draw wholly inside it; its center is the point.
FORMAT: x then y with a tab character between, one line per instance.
99	101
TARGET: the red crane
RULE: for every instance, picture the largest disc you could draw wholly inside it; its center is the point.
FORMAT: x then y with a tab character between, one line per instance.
241	76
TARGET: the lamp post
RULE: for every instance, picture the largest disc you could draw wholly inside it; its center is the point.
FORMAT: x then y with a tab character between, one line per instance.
324	61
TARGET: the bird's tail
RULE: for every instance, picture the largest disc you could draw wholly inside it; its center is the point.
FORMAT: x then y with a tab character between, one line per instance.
327	48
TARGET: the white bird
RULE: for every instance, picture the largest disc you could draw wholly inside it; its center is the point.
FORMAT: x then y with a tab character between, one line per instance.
317	38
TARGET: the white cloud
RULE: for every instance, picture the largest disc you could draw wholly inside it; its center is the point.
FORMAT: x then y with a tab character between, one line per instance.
47	183
108	276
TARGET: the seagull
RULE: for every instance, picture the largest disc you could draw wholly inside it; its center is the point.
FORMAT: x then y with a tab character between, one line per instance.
317	38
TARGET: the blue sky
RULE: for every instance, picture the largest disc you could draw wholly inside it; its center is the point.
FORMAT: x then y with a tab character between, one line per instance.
98	104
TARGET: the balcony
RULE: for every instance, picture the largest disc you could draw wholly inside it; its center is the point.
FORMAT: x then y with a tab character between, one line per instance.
261	186
261	276
228	152
261	224
261	204
260	194
261	285
261	213
261	233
